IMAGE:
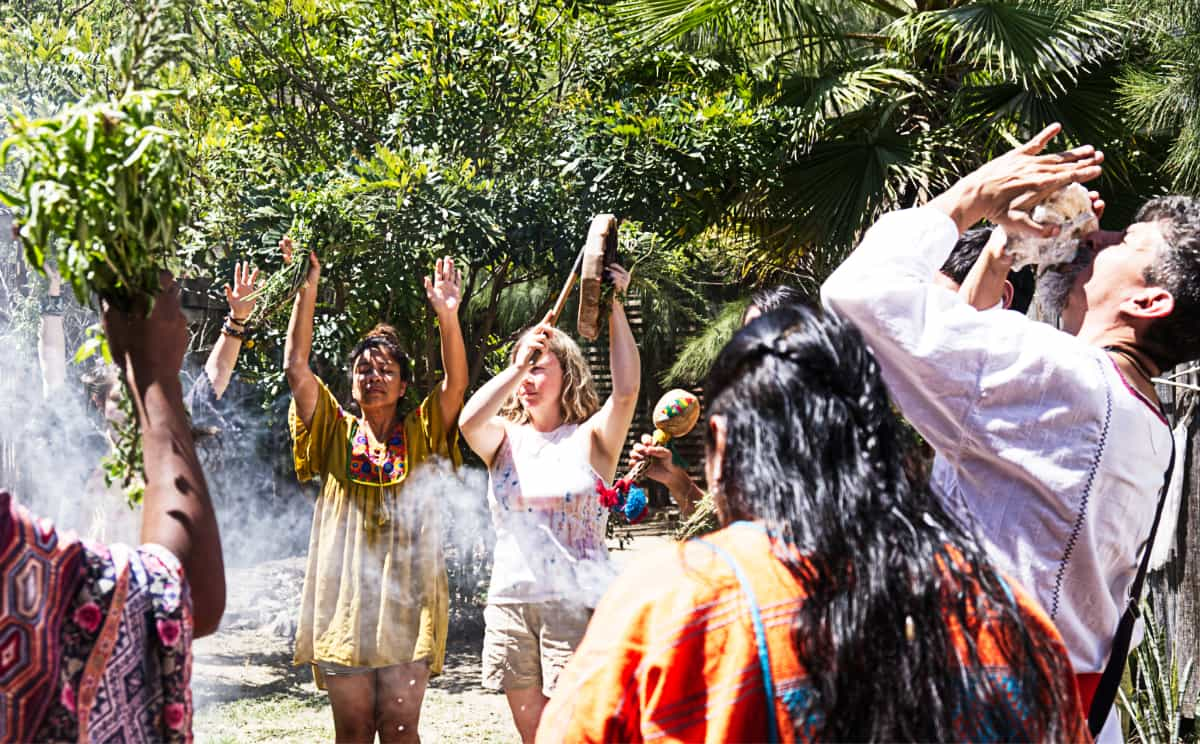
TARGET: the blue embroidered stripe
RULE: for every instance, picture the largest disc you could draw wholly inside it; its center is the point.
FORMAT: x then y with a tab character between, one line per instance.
760	633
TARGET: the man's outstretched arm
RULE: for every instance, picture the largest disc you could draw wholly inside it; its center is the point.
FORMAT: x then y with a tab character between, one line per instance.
935	350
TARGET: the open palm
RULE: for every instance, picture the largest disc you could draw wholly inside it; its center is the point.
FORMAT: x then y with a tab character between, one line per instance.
240	294
444	287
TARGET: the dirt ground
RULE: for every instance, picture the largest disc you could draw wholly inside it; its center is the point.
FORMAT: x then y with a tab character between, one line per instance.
246	689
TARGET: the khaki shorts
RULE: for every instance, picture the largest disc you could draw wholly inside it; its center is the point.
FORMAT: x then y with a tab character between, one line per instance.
527	645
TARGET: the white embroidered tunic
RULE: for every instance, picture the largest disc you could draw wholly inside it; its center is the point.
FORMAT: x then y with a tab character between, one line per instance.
549	520
1047	450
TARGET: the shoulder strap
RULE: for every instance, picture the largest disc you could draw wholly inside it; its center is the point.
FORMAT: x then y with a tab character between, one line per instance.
760	635
1110	680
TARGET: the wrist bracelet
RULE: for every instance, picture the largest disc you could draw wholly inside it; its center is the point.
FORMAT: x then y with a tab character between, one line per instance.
239	321
52	305
228	329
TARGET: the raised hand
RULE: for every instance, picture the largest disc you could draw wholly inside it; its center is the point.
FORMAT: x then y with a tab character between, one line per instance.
620	278
52	276
1006	189
240	295
444	287
533	344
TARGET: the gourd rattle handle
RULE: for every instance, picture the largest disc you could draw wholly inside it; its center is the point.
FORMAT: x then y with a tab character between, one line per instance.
637	471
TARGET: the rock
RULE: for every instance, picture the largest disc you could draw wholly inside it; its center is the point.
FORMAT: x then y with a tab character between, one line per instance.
284	625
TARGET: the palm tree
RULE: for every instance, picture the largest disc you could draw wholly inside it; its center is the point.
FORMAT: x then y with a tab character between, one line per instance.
1161	94
887	101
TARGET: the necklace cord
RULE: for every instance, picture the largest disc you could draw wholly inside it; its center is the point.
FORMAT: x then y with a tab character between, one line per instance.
1137	363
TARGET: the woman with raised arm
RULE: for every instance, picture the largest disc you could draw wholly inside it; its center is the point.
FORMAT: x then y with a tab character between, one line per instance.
375	606
97	637
548	444
840	601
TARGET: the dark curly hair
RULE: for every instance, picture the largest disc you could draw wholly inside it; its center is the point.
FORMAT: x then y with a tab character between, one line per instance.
1175	338
767	299
813	449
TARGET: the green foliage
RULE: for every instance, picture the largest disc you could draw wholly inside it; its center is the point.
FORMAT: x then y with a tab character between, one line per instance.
886	103
700	351
102	189
124	465
397	132
1158	91
1153	700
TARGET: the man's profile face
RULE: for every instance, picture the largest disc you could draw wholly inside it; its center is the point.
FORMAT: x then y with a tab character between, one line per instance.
1117	271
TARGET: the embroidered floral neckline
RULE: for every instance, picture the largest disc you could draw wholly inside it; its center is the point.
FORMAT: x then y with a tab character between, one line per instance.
385	469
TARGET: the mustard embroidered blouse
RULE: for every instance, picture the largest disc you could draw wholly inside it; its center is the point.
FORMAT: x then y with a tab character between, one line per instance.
375	589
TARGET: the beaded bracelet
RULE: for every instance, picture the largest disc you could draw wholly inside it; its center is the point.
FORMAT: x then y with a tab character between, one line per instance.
228	329
53	305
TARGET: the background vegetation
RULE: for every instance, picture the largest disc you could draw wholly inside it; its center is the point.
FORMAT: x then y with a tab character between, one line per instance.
748	141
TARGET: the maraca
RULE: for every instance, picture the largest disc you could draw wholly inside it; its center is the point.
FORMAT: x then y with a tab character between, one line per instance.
675	415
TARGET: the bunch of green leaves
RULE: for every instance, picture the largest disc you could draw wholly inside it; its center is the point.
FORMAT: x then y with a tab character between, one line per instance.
102	189
124	465
701	521
1155	695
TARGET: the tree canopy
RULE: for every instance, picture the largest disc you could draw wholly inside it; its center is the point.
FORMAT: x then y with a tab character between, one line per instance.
748	141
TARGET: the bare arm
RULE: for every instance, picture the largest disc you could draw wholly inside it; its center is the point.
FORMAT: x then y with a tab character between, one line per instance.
177	512
661	468
298	346
444	290
479	422
52	342
611	423
984	286
224	355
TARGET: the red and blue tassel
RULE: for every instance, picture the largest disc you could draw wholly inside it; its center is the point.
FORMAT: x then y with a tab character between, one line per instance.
624	498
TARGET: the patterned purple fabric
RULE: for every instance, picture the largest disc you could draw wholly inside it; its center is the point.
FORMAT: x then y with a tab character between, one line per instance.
139	680
95	642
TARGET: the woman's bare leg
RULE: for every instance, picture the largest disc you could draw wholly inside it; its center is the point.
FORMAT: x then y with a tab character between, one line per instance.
353	699
398	694
526	704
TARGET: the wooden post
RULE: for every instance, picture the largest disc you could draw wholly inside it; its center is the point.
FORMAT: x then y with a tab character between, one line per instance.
1174	589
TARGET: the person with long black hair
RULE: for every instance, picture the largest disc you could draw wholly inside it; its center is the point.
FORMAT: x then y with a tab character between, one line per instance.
840	602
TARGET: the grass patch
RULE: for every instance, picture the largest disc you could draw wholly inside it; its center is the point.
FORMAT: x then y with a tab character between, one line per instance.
271	718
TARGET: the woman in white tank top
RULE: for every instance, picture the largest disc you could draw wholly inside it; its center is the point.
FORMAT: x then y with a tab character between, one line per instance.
546	440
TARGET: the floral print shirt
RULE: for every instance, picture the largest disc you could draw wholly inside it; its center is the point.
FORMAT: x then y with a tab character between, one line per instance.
126	651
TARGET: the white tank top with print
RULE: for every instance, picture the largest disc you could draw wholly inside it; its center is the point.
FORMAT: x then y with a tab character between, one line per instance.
548	518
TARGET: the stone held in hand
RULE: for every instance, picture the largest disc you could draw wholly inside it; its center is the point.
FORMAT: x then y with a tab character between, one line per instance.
1071	209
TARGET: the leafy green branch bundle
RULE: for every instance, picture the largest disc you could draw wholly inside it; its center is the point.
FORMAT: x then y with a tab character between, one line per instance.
277	291
102	189
103	195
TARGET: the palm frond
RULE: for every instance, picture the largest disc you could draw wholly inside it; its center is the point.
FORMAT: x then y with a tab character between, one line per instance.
701	350
754	28
1037	43
846	89
989	111
1184	158
1155	99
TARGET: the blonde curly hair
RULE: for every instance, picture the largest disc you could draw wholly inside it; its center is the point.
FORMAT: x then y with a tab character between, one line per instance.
578	398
